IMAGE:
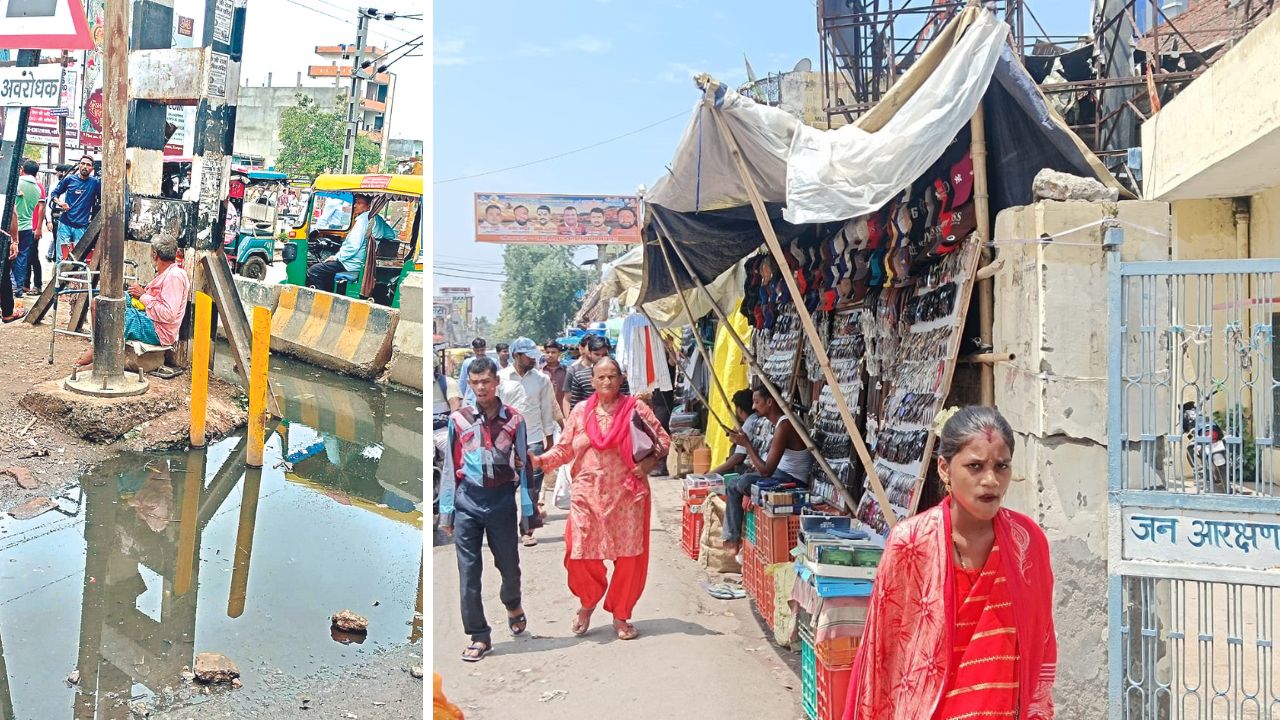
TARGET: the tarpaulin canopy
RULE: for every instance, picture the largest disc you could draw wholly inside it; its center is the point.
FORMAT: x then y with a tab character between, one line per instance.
808	176
624	277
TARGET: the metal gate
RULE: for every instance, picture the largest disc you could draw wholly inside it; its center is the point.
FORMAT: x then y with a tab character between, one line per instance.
1194	539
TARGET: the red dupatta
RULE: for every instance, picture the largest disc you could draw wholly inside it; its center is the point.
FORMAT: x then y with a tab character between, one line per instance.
904	665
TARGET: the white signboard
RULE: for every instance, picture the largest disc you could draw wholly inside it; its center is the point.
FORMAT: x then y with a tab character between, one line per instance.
39	86
223	14
1201	537
218	75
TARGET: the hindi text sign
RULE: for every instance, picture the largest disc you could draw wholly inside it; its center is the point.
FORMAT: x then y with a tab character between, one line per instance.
32	87
1201	537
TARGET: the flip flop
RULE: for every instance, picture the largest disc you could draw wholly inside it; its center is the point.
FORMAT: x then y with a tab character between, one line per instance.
520	620
481	647
529	541
625	630
580	625
18	314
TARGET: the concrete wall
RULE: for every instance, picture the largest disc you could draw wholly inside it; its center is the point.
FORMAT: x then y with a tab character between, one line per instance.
406	367
258	115
1264	224
1051	312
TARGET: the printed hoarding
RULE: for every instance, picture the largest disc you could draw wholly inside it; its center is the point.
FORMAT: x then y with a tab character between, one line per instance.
557	219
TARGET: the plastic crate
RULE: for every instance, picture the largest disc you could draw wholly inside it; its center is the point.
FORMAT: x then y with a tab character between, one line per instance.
837	652
776	535
764	602
833	690
749	525
808	678
691	521
749	569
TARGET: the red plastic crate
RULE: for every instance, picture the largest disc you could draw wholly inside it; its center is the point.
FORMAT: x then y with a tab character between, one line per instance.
776	535
751	570
833	690
691	521
838	652
764	603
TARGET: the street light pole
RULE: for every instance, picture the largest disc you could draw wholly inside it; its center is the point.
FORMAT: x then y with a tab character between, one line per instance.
353	102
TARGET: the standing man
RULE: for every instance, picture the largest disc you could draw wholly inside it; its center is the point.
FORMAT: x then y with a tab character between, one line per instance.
54	213
350	257
555	369
27	203
504	355
577	382
80	194
525	388
484	470
478	350
8	311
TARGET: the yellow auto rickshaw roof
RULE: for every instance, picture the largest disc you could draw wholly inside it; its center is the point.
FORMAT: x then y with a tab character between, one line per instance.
371	184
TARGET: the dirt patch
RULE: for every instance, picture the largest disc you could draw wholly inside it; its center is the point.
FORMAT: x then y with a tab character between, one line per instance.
45	434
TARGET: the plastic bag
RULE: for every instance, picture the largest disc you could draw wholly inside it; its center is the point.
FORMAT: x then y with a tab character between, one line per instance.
563	493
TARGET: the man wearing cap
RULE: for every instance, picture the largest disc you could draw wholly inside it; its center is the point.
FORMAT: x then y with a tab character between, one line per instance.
525	388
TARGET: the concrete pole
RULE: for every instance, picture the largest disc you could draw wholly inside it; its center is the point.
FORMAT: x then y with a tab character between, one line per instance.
108	326
353	102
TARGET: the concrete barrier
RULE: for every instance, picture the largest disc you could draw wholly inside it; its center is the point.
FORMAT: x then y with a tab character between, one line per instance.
352	337
406	366
254	292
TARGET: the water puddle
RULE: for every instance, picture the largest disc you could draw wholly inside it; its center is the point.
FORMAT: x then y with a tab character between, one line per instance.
154	558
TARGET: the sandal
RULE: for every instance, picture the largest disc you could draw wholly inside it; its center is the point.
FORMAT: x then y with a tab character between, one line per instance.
18	314
514	620
529	541
476	651
580	623
625	630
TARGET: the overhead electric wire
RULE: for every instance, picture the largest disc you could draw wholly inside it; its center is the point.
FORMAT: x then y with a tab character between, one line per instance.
351	21
467	277
566	153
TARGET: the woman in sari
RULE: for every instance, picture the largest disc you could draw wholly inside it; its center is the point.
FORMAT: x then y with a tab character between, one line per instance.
961	617
612	442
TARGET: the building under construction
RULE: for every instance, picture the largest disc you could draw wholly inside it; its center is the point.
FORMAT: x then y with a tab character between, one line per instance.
1138	55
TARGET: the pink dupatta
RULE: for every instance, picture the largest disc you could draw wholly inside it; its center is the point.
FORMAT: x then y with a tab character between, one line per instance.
902	666
617	437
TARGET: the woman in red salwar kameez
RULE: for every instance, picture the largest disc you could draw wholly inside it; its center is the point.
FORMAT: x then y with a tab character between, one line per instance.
961	619
609	506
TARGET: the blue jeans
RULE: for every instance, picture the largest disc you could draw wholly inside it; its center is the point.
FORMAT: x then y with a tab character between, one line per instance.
734	494
18	268
67	237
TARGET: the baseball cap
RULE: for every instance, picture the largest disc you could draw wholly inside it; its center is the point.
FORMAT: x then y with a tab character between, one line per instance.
525	346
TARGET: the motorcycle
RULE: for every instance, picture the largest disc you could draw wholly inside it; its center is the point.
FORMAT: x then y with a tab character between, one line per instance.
1206	446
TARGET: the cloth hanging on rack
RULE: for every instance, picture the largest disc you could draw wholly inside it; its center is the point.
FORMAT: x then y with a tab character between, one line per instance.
731	368
642	356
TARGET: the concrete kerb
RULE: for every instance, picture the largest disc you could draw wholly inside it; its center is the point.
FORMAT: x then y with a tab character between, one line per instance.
254	292
352	337
406	366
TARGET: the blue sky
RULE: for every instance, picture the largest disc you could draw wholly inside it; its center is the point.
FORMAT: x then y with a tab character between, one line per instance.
518	81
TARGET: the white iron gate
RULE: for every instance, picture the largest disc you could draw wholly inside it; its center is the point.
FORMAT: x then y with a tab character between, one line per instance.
1194	508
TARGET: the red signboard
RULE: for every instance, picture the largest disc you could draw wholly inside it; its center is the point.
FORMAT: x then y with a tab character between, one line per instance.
186	26
37	25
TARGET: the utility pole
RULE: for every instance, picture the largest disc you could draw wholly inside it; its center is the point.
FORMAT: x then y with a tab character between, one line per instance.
62	120
353	102
15	136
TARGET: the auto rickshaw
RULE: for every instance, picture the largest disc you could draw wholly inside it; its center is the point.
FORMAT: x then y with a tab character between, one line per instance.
394	244
250	240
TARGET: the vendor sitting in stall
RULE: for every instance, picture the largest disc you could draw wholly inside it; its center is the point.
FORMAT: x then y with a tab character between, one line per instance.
788	462
350	257
738	461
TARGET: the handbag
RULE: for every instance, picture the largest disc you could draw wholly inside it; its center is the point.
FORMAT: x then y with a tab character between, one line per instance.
563	492
643	443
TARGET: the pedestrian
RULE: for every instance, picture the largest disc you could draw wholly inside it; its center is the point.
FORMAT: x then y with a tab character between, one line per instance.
54	213
612	441
27	206
552	350
478	350
525	388
78	195
962	608
484	471
504	355
577	381
8	311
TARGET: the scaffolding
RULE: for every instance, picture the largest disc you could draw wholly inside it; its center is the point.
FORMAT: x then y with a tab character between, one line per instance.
1138	55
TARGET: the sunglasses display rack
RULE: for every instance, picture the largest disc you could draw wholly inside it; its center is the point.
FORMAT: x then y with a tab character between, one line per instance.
845	349
778	345
913	337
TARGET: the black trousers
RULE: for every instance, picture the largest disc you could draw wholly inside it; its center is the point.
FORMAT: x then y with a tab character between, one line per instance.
320	276
480	514
35	273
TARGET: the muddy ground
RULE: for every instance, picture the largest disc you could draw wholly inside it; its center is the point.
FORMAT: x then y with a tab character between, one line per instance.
57	442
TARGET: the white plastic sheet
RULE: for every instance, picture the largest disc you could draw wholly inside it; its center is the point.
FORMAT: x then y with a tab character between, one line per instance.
623	279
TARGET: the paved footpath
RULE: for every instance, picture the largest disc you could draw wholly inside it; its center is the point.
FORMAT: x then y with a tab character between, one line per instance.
696	656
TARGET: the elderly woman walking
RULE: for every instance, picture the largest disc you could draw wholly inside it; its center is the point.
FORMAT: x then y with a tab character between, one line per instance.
612	442
961	618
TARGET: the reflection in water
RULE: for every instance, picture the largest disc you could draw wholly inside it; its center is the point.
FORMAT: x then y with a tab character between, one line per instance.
113	590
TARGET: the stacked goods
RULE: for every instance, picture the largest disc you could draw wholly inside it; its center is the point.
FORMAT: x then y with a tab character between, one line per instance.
680	457
691	522
698	487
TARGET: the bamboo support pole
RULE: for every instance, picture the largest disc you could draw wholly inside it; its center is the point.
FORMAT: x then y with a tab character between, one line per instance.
982	212
772	389
989	270
811	331
200	369
985	358
258	384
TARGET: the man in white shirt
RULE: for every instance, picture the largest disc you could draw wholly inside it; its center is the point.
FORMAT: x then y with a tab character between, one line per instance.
527	389
350	257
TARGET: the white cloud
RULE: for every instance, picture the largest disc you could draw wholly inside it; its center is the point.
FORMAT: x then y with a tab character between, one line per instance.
451	52
682	73
589	44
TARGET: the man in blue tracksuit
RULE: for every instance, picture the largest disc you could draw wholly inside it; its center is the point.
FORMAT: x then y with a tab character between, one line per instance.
485	471
78	195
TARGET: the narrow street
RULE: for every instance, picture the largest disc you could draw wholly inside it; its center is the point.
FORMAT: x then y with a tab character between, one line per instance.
696	656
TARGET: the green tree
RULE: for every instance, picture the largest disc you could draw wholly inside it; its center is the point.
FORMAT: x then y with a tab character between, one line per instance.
311	141
484	328
540	292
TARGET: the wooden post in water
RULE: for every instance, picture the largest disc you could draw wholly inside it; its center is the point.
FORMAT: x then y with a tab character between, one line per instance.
258	383
200	369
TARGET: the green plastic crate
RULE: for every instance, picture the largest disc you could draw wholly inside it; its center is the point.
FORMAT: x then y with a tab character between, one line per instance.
749	526
808	678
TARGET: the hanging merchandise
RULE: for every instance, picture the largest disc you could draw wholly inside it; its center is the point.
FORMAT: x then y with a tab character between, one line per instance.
845	349
642	355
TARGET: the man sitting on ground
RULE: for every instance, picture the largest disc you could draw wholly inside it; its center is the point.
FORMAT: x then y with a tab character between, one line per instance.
788	462
738	461
163	300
